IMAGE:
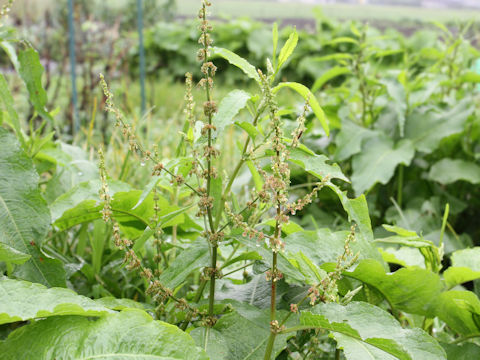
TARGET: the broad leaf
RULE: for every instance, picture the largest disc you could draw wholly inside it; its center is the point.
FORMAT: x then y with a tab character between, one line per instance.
426	128
447	171
24	215
22	300
350	138
465	267
324	246
460	310
131	334
378	161
229	107
467	351
365	331
88	190
413	290
240	335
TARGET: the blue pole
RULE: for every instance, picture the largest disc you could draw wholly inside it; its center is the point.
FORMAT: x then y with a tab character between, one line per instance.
73	63
142	54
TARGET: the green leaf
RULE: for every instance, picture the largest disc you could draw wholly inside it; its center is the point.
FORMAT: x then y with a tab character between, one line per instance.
238	61
465	267
378	161
427	128
189	260
350	138
31	71
275	42
469	77
229	107
251	255
314	164
256	292
324	246
8	102
365	331
24	215
240	335
131	334
447	171
132	222
22	301
357	210
88	190
12	256
146	190
307	95
313	274
342	40
337	56
329	75
119	304
413	290
257	178
467	351
287	49
397	93
460	310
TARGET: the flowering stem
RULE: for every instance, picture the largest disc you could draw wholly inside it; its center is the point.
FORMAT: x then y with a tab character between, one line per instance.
273	298
209	113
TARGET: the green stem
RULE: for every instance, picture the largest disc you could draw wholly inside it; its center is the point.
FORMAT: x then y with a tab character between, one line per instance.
337	354
273	297
236	170
400	186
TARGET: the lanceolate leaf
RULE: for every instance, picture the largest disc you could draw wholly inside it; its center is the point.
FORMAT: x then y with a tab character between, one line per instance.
7	102
229	108
22	300
31	71
307	95
193	258
447	171
238	61
24	215
365	331
329	75
378	161
131	334
288	49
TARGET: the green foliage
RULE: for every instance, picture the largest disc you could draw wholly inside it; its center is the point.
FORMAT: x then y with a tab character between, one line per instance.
131	333
239	238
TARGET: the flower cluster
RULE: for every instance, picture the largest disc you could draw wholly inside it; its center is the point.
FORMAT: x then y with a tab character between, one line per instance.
104	191
327	290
